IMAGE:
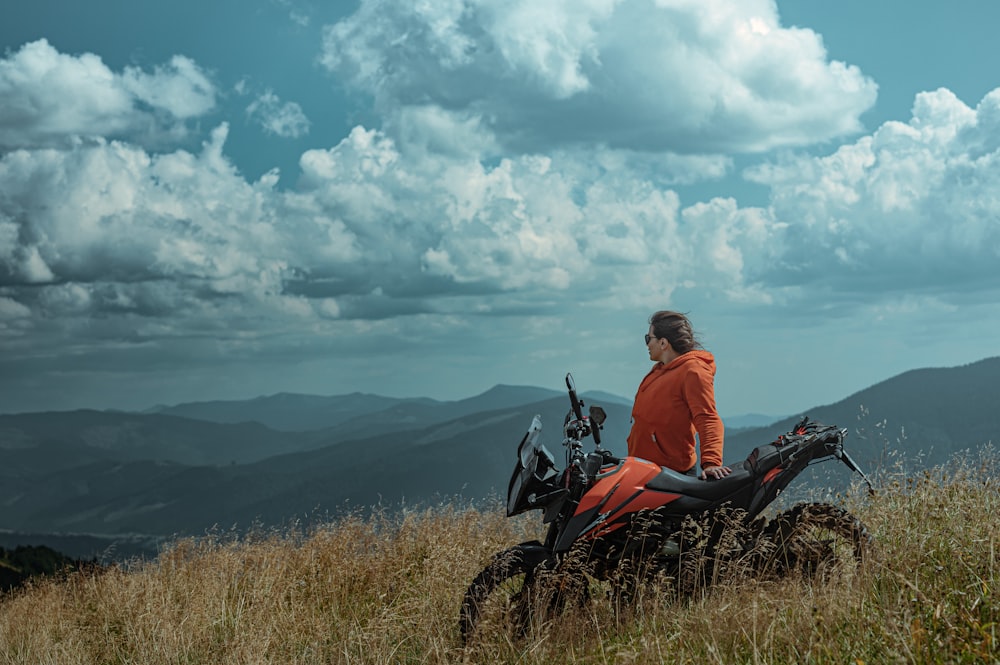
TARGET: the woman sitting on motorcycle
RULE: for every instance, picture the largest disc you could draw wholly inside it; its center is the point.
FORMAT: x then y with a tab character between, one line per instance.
675	400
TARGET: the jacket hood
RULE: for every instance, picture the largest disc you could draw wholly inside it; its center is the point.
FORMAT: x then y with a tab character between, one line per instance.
699	356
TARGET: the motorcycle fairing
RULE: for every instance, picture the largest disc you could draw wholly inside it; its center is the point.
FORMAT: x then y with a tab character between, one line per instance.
531	552
621	491
634	473
531	485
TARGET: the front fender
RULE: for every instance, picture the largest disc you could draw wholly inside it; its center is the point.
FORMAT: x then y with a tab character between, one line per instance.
531	552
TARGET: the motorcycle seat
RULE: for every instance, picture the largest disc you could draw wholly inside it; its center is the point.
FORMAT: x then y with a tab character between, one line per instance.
678	483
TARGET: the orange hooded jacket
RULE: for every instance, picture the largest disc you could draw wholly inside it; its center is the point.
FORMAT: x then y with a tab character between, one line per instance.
674	401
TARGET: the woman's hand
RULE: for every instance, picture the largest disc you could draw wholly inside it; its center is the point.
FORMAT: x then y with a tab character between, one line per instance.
715	472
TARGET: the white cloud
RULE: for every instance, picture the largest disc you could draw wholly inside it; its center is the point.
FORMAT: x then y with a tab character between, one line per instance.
180	88
914	205
180	237
728	246
678	76
53	99
429	215
526	224
375	232
286	120
437	130
112	214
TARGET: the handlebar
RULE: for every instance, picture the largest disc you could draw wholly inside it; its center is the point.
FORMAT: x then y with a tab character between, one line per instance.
583	425
577	404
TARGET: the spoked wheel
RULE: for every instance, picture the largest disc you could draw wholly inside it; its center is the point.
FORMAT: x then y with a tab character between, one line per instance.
817	539
505	595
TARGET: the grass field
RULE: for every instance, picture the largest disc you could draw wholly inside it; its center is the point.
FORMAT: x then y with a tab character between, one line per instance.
387	589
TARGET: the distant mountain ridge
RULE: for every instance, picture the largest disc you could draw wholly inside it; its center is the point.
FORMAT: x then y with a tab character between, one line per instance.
151	475
469	456
292	412
937	411
289	412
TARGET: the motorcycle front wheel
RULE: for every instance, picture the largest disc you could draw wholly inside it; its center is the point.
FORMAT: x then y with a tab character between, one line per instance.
504	596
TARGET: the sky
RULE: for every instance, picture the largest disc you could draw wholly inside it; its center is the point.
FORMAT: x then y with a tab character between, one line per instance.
221	200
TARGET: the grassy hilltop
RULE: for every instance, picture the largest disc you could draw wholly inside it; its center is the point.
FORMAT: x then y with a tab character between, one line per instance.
387	590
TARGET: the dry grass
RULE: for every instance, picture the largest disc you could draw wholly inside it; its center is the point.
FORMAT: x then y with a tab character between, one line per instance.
387	590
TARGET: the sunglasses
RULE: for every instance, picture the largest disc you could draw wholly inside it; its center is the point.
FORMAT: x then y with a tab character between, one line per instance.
649	337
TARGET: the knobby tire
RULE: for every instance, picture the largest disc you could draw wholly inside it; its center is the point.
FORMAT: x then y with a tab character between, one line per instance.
504	591
814	538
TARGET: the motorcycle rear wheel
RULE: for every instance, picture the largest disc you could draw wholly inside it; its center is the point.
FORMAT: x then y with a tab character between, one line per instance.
817	539
502	597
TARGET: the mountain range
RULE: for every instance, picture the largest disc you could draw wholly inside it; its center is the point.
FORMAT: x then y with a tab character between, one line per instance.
84	479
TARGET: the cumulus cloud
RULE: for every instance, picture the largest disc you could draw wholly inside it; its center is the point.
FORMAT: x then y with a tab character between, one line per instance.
180	88
679	76
432	216
51	99
284	119
182	242
912	206
435	224
178	240
120	223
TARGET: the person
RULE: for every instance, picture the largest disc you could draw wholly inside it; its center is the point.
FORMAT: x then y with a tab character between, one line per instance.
675	400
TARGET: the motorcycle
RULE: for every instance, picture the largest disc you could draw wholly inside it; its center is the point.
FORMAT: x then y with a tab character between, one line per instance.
629	522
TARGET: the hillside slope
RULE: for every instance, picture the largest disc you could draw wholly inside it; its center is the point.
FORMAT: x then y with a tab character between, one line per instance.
932	413
383	589
73	438
469	457
353	413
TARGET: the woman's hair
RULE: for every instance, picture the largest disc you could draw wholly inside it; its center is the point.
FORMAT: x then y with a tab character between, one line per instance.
676	329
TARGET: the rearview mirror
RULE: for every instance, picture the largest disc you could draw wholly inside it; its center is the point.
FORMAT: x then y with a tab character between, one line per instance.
598	415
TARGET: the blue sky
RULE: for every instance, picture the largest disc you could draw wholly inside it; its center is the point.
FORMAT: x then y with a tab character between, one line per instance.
227	199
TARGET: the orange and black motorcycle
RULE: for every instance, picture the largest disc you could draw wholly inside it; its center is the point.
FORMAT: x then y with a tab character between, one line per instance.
628	521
